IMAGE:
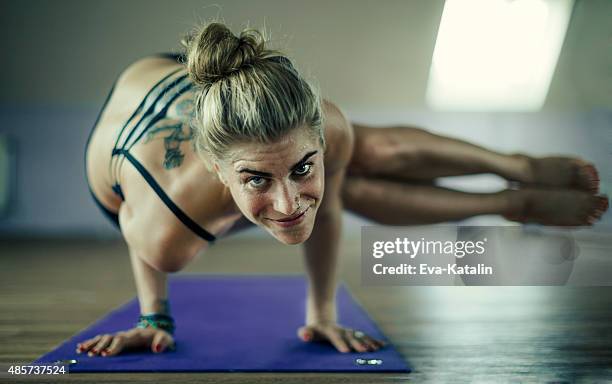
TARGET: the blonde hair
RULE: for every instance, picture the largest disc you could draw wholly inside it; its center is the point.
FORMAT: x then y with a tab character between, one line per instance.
246	92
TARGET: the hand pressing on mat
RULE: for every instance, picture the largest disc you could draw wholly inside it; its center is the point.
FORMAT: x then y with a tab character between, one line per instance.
136	338
344	339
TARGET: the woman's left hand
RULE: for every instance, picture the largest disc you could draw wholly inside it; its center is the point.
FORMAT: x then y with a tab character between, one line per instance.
344	339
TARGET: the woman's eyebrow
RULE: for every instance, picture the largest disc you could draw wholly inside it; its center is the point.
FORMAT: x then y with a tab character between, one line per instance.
267	174
306	157
258	173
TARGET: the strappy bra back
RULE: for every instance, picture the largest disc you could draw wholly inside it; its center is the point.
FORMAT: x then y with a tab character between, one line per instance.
152	109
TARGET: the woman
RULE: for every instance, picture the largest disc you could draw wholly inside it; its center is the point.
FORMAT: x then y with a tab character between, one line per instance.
236	136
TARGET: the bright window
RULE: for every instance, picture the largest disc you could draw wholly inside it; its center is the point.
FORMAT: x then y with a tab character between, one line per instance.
496	54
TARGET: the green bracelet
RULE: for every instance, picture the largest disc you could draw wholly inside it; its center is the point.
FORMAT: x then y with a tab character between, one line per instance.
157	320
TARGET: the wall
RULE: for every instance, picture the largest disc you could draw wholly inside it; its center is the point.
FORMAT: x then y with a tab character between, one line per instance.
371	57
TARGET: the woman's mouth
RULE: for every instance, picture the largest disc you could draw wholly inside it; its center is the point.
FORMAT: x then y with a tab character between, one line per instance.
291	221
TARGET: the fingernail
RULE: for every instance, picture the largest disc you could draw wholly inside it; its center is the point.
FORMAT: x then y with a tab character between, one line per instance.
307	337
157	348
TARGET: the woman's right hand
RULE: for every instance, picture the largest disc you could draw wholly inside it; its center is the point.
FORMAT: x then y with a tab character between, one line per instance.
156	339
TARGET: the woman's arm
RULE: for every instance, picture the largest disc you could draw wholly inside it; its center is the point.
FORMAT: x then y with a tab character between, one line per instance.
322	248
151	286
149	258
321	258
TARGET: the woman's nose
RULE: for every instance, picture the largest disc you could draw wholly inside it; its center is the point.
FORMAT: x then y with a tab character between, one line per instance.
286	200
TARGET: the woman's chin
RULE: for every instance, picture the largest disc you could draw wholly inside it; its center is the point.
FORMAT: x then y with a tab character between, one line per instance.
292	241
292	238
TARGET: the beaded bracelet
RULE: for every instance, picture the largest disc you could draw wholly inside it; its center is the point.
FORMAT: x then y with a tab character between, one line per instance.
157	320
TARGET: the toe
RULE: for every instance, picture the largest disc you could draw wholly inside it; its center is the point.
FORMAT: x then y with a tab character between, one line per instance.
602	203
589	178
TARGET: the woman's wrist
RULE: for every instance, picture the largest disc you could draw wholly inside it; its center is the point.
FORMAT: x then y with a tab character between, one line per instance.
321	313
155	306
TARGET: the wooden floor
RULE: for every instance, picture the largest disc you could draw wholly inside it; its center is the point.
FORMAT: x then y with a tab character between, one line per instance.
52	289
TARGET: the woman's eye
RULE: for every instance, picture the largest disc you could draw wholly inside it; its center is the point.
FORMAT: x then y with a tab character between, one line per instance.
257	181
303	169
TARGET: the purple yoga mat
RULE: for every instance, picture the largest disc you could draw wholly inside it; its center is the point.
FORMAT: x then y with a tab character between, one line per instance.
234	324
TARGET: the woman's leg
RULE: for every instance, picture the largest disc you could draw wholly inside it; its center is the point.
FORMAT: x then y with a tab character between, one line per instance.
414	154
392	202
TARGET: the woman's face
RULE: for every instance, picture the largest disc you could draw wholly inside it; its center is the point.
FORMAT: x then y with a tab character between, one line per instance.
277	186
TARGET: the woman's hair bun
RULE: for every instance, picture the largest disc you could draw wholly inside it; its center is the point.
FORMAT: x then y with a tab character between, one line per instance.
214	52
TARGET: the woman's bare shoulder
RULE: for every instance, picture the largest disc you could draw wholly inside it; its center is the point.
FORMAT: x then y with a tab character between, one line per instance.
183	178
133	83
147	68
339	137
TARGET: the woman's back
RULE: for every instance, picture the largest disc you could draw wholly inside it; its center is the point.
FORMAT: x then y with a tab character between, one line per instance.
148	118
129	90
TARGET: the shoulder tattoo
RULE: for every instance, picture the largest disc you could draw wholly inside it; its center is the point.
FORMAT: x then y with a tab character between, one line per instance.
174	134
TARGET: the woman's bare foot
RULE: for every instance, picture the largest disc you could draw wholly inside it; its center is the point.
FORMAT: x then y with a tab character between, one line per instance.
554	207
560	172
